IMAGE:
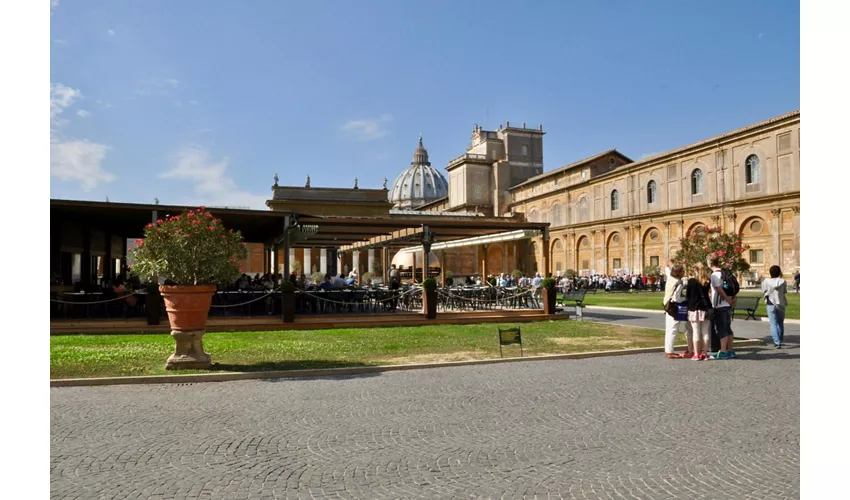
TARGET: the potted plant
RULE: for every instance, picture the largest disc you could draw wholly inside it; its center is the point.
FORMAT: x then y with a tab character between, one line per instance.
429	298
450	278
517	274
570	273
652	274
192	252
287	301
550	293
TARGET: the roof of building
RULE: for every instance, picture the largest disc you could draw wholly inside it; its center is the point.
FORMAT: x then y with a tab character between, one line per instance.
571	166
717	138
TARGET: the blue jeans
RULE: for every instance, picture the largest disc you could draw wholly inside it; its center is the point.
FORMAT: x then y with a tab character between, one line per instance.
776	315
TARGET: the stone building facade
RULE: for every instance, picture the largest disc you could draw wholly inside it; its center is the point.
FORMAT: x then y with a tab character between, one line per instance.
609	214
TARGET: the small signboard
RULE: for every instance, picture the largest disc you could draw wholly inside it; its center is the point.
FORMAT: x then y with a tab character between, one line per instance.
510	336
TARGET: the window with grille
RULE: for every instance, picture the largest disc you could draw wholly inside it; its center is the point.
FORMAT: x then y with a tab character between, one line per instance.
752	165
756	256
696	182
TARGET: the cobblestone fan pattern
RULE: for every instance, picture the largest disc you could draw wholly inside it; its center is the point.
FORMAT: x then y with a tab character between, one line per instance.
632	427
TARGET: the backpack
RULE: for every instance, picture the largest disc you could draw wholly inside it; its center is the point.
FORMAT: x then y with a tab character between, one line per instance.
730	283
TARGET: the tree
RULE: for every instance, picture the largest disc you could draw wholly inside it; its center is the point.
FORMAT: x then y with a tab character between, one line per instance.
702	242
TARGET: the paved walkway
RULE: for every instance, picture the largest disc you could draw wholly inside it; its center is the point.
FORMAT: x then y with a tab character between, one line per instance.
635	427
742	328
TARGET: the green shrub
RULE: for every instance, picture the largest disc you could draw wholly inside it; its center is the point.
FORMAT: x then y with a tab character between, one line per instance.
429	284
517	274
287	287
548	283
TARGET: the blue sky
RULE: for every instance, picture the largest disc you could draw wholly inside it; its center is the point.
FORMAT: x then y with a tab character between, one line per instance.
204	101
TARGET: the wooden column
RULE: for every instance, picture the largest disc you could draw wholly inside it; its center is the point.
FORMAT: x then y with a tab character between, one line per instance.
286	224
108	262
385	259
442	268
483	266
85	260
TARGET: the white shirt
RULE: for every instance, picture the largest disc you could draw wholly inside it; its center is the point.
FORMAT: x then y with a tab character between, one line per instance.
717	282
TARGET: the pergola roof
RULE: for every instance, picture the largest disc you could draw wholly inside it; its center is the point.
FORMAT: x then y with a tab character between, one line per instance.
129	219
361	233
265	226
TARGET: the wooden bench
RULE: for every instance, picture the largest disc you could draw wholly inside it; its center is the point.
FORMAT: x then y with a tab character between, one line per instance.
576	297
749	304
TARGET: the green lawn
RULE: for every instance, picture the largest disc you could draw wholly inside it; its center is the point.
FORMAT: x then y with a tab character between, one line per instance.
648	300
125	355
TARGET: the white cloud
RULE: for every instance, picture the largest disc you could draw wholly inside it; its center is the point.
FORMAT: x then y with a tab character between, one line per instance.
110	32
172	81
761	35
76	160
60	41
367	129
212	186
61	97
53	5
194	103
73	159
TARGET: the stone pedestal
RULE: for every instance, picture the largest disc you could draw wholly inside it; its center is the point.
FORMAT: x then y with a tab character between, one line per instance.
188	351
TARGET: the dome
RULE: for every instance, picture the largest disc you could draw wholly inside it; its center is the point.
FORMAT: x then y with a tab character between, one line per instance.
419	183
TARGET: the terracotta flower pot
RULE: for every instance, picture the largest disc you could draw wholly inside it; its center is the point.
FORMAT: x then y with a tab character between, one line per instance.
187	307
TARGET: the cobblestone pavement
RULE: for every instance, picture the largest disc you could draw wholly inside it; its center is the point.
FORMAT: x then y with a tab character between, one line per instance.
631	427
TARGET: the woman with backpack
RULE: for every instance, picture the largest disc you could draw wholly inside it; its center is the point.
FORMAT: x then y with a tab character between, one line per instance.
676	322
699	312
774	290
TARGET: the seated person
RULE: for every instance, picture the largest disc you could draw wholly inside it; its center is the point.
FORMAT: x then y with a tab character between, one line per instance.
326	285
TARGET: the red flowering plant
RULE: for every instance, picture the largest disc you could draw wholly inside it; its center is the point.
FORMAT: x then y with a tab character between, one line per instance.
703	241
193	248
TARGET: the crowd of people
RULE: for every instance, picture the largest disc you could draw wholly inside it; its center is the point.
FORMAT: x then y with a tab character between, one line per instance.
701	307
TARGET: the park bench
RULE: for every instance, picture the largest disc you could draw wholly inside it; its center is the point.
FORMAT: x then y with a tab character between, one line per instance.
573	297
749	304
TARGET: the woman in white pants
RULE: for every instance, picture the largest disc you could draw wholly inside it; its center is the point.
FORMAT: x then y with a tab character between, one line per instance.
673	293
698	305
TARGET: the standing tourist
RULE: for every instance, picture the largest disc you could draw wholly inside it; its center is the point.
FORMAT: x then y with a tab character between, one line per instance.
797	281
722	304
774	290
698	307
675	324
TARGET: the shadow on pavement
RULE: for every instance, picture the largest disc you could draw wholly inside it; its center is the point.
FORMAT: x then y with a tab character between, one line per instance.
269	366
611	317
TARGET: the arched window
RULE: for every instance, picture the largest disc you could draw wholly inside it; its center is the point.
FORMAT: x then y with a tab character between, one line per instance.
532	215
651	192
752	165
615	200
696	182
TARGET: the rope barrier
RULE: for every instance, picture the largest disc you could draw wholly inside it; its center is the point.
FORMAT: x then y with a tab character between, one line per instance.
122	297
395	297
500	299
264	296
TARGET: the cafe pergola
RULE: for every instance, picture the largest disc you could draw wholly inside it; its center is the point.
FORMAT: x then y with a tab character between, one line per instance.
94	235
